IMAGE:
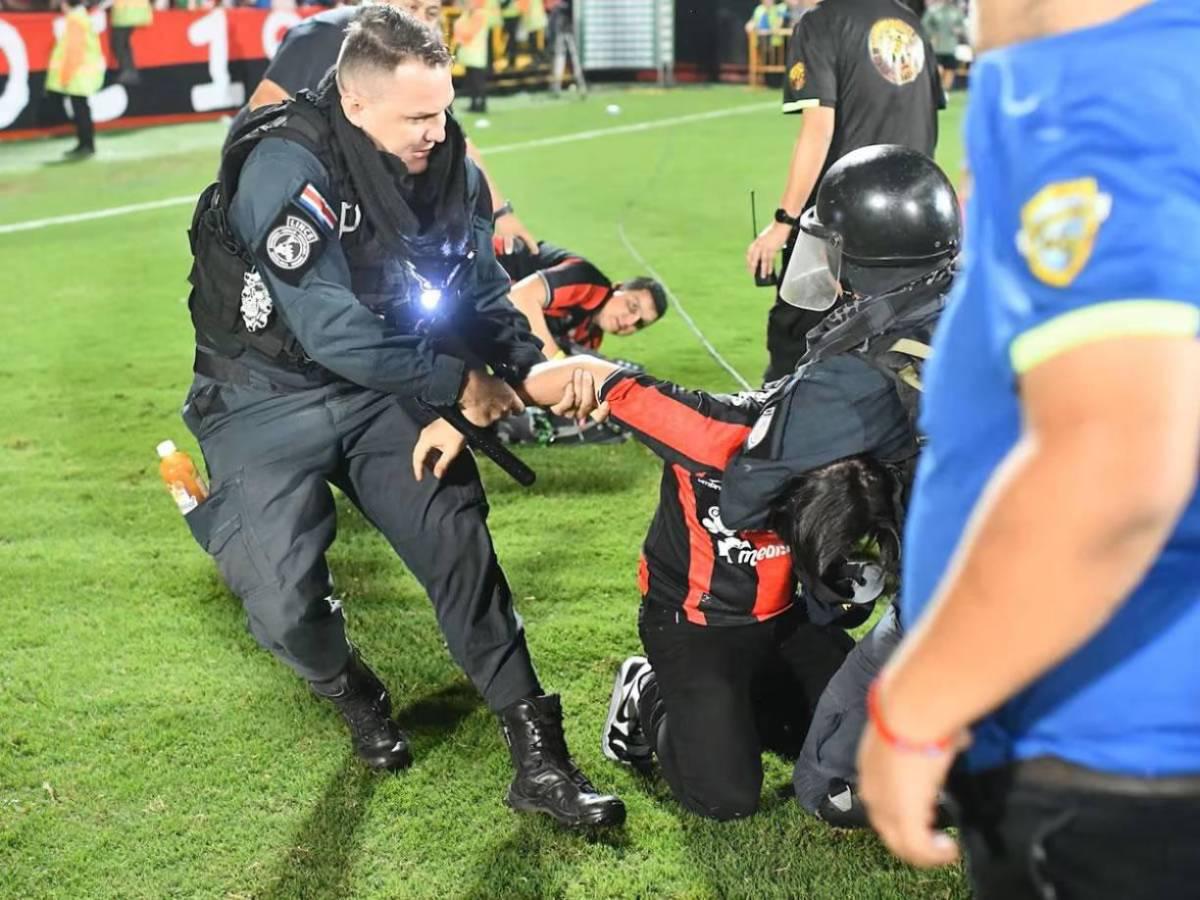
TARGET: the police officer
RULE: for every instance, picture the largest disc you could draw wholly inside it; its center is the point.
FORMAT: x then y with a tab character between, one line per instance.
354	287
862	72
311	47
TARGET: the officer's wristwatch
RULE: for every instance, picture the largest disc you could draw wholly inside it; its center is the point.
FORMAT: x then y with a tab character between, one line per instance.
782	217
502	211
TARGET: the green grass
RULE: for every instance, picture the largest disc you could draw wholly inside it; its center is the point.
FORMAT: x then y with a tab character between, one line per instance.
149	749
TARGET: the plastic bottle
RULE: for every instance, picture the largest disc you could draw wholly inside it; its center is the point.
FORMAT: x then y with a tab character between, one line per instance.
187	488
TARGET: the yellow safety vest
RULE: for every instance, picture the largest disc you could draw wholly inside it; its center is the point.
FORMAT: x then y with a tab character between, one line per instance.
535	15
495	14
132	13
76	63
471	32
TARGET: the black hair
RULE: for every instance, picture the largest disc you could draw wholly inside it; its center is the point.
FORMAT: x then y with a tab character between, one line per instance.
657	292
826	513
382	37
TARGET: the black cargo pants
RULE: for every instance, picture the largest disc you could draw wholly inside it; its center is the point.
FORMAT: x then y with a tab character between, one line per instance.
270	518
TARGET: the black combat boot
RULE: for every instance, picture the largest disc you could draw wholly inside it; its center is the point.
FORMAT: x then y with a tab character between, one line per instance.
364	703
547	780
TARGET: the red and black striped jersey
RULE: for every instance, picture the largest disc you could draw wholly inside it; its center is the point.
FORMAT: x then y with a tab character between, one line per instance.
575	289
690	560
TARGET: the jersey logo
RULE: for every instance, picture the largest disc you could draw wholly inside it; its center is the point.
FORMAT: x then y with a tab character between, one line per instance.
797	75
896	50
289	244
1059	227
311	200
728	542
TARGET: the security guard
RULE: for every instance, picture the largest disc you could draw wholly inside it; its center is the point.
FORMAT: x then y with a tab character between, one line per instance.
126	16
766	490
862	72
311	47
76	70
344	282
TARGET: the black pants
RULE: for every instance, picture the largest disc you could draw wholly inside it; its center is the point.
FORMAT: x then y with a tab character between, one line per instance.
511	27
721	695
787	327
271	518
122	48
81	115
1045	829
476	85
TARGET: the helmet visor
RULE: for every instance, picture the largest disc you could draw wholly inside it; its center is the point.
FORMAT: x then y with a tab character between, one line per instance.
812	278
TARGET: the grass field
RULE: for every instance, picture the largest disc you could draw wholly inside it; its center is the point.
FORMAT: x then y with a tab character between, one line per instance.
149	749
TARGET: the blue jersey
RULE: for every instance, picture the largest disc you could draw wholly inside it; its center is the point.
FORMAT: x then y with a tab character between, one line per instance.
1084	224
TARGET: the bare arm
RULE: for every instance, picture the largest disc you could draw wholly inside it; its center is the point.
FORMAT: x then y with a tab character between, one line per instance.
548	384
266	93
808	156
529	295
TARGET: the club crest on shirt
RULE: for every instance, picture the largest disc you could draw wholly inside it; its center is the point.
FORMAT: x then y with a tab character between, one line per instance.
797	75
896	50
289	244
1058	229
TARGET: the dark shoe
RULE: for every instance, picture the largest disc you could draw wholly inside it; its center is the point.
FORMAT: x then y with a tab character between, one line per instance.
623	740
547	780
80	152
364	703
841	807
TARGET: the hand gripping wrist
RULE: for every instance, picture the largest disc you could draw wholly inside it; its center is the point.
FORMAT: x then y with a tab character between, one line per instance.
896	741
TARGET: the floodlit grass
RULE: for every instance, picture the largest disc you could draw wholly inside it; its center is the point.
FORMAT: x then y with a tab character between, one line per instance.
149	749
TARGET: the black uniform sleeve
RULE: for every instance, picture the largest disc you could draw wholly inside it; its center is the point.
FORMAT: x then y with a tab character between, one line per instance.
839	407
693	429
306	54
811	78
490	326
282	211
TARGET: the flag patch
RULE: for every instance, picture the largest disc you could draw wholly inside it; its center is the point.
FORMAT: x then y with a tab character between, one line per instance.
311	200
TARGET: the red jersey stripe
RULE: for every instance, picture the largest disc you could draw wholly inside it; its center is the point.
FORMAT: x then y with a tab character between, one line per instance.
776	586
700	560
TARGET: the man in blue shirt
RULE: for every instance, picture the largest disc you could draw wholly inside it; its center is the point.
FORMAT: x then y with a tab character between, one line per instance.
1052	569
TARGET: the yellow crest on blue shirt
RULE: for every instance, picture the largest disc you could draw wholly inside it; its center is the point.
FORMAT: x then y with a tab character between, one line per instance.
1058	229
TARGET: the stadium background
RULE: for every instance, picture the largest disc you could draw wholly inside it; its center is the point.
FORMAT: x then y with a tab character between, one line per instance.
149	749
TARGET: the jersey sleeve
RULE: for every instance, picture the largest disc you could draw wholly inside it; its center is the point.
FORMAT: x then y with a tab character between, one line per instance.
306	54
1094	245
282	212
574	282
811	78
692	429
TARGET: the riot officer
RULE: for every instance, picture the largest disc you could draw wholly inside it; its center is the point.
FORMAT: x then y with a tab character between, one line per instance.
344	284
875	258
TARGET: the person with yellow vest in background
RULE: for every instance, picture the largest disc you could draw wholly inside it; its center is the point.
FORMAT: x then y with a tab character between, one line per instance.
533	22
76	70
768	18
127	15
510	15
471	32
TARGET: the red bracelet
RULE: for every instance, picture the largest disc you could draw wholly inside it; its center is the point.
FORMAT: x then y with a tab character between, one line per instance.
925	748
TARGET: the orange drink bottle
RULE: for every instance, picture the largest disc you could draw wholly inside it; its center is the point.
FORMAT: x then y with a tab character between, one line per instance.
187	488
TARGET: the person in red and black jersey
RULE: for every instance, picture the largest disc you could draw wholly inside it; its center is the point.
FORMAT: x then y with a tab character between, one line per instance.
571	304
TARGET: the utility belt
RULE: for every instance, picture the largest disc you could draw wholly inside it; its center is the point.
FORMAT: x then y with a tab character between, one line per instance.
1052	773
230	371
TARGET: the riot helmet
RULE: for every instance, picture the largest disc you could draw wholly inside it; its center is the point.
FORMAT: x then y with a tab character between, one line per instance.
884	215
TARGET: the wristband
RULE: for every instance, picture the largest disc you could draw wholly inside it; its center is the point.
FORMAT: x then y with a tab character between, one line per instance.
875	715
503	211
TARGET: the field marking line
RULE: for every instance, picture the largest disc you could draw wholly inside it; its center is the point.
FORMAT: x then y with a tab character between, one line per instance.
675	302
72	218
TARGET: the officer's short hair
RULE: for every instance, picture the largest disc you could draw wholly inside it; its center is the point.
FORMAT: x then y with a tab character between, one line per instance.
382	37
657	292
827	512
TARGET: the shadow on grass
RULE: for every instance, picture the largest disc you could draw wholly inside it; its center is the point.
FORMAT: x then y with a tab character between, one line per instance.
533	860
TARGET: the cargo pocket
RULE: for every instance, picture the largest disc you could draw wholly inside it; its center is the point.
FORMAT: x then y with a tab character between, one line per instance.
216	524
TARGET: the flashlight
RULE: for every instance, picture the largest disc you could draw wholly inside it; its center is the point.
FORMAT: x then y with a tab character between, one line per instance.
430	298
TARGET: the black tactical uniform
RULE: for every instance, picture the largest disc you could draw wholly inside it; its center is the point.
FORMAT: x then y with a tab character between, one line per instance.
856	391
317	342
871	62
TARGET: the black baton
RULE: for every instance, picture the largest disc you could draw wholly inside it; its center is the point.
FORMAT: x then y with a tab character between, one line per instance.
484	440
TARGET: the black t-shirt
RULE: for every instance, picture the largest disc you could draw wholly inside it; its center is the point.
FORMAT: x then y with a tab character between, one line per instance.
310	49
872	62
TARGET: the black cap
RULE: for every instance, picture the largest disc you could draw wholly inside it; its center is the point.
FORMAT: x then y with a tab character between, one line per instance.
891	206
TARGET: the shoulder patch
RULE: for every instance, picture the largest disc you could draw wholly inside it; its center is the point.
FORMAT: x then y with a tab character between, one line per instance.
293	244
1059	225
797	75
310	199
